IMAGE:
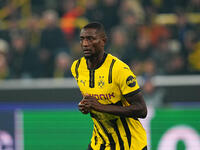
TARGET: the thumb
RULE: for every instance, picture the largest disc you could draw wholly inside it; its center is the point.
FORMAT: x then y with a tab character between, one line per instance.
86	95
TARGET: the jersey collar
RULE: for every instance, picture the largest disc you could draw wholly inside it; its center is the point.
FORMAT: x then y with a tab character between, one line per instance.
104	58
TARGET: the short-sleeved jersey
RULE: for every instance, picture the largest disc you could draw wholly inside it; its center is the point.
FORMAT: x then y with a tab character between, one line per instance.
110	82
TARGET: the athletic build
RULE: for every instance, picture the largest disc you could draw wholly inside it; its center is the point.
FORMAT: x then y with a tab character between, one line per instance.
111	95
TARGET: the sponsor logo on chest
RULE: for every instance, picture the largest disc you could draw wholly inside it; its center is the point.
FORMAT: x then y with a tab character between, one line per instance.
107	96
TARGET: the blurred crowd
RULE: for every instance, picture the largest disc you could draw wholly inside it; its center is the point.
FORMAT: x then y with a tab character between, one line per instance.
44	43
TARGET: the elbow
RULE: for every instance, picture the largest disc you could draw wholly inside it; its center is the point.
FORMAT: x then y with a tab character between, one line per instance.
140	113
144	113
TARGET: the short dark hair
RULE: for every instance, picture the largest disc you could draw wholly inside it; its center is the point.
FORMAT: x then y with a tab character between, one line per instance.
96	25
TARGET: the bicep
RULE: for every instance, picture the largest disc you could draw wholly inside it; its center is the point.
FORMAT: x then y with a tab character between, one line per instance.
138	103
134	99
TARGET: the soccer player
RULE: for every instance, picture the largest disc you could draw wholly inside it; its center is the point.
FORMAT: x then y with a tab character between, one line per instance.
111	95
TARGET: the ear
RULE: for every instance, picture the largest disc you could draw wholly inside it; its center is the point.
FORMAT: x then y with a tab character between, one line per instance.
104	40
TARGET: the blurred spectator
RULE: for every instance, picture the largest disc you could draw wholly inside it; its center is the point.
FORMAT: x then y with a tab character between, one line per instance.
92	13
149	68
23	59
62	65
4	68
137	67
4	34
52	42
14	28
146	68
154	97
33	31
109	13
136	35
119	42
38	6
71	11
131	15
143	46
52	38
193	6
177	65
132	7
182	26
163	6
141	49
194	59
162	56
188	48
188	43
129	24
77	51
4	47
159	32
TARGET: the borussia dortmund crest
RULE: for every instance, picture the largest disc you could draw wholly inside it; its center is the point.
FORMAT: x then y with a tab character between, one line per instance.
101	81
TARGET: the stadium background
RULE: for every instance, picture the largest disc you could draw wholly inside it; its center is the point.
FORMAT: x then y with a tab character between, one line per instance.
39	39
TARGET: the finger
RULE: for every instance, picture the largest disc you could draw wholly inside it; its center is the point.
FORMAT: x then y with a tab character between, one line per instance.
81	109
89	97
85	95
85	112
80	103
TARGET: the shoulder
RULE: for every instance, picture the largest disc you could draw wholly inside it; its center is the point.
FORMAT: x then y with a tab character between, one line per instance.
121	71
118	64
77	62
75	65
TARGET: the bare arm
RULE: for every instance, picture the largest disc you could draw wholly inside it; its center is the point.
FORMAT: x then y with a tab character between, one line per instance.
136	109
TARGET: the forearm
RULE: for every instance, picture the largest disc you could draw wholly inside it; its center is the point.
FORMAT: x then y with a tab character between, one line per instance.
125	111
137	107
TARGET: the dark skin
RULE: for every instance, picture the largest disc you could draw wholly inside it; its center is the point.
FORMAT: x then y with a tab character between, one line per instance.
92	44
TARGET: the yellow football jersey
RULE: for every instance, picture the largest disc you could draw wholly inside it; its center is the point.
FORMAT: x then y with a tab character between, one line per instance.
109	83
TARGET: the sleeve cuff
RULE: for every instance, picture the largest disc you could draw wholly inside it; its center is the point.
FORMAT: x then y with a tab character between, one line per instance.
132	93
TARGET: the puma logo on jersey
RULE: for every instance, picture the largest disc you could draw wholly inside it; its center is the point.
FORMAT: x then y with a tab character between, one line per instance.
83	82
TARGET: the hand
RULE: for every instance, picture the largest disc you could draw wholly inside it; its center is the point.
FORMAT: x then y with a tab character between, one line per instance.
88	102
82	108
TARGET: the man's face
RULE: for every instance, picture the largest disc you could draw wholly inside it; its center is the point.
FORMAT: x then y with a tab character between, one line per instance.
92	43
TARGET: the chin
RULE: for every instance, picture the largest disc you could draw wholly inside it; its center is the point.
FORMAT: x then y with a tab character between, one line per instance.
88	56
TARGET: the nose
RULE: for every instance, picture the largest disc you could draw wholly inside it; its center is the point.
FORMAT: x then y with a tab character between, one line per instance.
85	42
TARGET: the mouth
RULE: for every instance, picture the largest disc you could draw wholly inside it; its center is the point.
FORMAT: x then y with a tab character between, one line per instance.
86	51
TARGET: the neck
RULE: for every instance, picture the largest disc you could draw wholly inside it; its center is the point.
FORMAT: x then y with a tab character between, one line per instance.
95	61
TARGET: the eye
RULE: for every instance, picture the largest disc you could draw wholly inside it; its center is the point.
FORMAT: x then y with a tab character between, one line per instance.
90	38
81	39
